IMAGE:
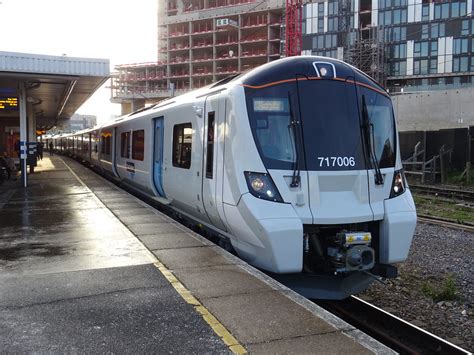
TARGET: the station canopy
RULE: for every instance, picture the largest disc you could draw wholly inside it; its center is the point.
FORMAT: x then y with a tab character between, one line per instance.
56	85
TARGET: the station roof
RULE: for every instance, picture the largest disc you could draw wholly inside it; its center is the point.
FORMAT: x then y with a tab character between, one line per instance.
56	85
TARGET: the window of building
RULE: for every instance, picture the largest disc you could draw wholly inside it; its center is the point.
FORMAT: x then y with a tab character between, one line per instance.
437	14
472	63
460	64
397	16
330	41
424	49
416	49
433	66
472	27
442	29
463	64
434	48
460	45
424	31
182	145
400	50
138	144
403	50
404	16
462	8
332	8
125	145
425	12
434	30
320	42
388	17
403	68
320	9
321	25
445	10
332	24
464	27
424	66
454	9
403	34
416	67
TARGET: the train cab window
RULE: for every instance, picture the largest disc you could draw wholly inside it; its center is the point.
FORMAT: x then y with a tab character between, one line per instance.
138	144
182	145
125	145
210	145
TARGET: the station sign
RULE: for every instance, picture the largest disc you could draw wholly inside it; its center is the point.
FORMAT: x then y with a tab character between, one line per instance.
8	103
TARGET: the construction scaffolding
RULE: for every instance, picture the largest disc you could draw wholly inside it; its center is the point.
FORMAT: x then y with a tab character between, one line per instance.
368	54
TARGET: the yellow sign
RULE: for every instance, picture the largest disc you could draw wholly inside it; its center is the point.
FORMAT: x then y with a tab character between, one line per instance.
8	103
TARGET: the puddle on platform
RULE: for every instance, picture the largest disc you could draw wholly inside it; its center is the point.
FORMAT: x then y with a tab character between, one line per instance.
24	250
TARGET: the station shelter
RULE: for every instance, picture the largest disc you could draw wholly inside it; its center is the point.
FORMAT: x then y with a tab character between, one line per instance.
38	93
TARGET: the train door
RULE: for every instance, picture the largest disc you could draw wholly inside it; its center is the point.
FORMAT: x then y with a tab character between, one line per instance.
209	159
158	156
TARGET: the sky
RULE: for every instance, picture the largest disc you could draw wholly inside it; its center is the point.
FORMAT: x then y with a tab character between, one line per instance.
123	31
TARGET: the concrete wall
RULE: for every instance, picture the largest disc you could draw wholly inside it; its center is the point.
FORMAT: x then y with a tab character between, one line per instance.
434	110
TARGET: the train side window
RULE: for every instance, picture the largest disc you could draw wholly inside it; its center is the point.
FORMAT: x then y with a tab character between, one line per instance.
138	145
210	145
182	145
125	145
107	145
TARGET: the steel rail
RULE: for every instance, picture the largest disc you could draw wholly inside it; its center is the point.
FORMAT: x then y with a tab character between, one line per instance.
445	223
451	193
390	330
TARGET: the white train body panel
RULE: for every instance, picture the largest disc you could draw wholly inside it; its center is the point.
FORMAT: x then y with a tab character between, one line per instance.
208	153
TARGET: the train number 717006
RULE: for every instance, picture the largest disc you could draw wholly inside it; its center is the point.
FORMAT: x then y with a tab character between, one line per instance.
336	161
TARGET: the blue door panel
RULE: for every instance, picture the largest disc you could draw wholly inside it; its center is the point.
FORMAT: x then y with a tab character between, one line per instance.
158	156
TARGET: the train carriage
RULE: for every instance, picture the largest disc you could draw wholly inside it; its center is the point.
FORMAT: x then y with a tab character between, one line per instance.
295	163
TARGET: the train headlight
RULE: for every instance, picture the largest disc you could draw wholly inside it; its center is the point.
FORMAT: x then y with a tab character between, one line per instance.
399	184
262	186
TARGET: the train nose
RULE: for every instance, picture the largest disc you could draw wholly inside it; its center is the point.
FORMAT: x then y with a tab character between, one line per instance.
339	197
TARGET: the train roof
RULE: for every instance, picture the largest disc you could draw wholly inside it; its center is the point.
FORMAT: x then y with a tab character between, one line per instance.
279	71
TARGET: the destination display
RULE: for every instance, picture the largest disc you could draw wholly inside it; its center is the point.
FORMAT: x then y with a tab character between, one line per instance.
8	103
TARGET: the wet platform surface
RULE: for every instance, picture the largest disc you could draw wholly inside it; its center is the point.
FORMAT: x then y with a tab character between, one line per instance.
78	273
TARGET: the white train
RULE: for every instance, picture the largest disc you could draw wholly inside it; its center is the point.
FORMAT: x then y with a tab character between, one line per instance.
295	163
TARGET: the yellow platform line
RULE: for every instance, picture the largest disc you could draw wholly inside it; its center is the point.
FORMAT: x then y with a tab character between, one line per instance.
216	326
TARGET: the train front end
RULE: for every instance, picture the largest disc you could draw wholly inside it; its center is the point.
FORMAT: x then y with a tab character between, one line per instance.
326	136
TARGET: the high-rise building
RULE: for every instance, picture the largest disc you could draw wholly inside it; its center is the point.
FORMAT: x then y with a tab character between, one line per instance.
409	45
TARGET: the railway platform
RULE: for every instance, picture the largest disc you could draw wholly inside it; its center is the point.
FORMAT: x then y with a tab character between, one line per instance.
86	267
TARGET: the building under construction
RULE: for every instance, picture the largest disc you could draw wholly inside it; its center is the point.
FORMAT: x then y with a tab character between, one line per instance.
200	42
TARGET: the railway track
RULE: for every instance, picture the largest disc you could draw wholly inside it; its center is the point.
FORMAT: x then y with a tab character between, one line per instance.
390	330
445	192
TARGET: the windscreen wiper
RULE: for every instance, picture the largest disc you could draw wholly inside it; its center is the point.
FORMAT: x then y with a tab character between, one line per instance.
369	140
295	180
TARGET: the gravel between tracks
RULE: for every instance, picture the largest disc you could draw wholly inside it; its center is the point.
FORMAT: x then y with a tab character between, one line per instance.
437	253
